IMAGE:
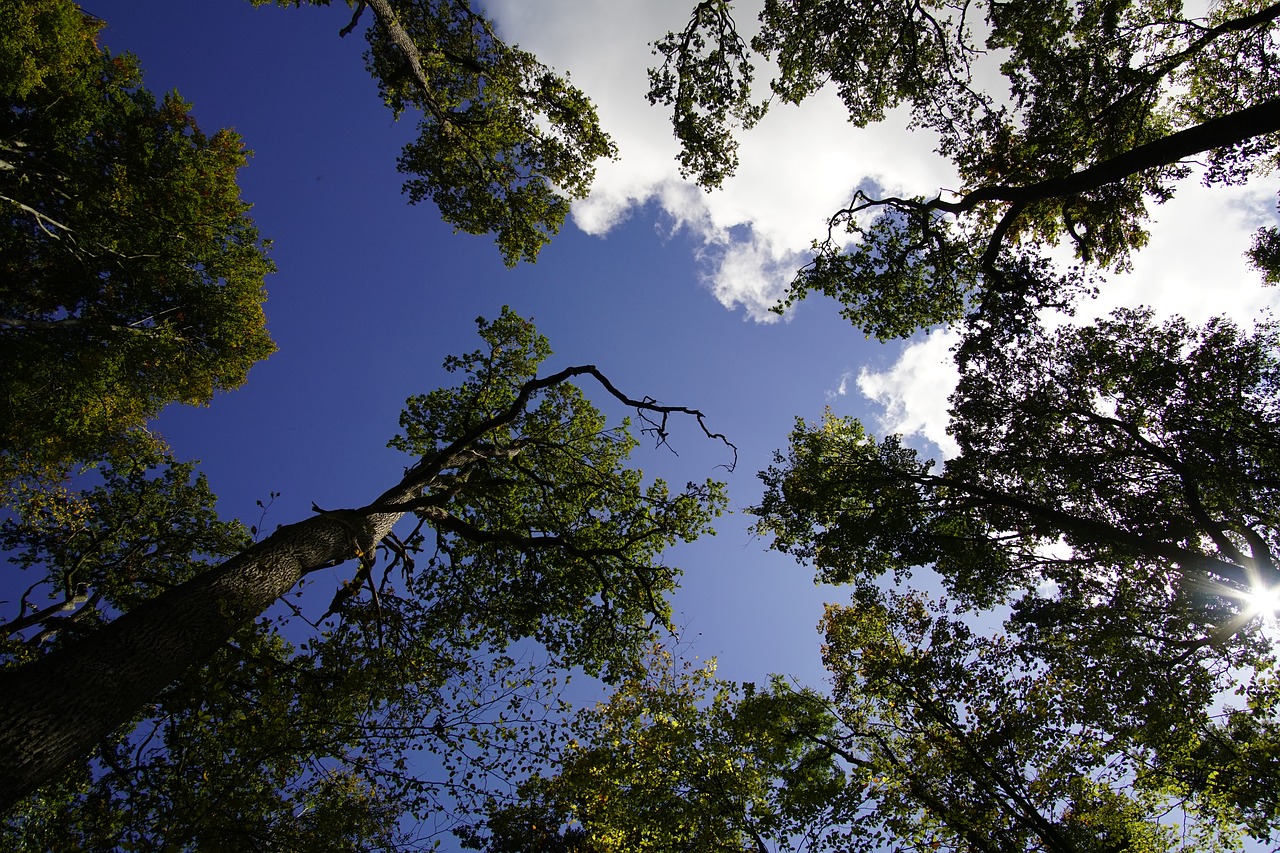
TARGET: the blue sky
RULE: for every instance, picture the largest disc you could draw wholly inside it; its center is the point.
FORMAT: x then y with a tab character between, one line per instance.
371	294
660	285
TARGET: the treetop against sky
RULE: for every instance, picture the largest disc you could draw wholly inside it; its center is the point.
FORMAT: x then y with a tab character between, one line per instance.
667	290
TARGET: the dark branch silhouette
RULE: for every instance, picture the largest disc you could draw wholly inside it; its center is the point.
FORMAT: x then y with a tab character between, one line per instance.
62	705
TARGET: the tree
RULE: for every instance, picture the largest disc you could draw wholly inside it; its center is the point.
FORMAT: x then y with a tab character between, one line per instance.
675	759
1124	441
235	756
540	532
933	738
1105	104
965	742
138	523
132	274
504	143
1115	488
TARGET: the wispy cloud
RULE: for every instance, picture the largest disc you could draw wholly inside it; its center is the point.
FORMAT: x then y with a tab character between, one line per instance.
842	387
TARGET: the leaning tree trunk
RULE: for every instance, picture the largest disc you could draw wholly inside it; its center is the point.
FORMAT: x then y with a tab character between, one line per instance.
62	705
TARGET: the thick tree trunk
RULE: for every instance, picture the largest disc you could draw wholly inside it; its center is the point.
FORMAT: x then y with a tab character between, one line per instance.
61	706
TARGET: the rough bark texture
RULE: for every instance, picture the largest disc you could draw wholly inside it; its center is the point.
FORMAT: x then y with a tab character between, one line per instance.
62	705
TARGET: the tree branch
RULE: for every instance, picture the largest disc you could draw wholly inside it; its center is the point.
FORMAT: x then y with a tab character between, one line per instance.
1101	532
355	19
1220	132
78	597
428	467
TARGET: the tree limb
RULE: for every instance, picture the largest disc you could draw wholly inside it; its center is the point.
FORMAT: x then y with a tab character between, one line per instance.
1101	532
355	19
59	706
1220	132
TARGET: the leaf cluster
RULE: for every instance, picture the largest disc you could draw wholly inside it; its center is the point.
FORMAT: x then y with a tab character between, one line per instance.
675	758
1094	123
1114	498
132	274
505	143
542	530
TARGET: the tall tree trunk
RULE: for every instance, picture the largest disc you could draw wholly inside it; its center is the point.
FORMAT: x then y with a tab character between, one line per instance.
61	706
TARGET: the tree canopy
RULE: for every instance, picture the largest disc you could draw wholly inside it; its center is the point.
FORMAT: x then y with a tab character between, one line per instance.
933	737
676	758
1115	492
1103	105
539	531
132	274
1098	676
1125	442
504	142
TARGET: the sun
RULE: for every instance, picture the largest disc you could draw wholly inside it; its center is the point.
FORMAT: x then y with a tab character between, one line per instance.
1263	601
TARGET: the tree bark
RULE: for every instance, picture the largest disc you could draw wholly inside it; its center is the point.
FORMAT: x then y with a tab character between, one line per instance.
62	705
59	707
1220	132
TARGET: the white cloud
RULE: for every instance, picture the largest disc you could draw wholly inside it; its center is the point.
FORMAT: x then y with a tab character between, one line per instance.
842	387
1194	265
915	389
799	166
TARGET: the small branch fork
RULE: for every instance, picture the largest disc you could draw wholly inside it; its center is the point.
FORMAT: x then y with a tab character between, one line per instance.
648	406
428	467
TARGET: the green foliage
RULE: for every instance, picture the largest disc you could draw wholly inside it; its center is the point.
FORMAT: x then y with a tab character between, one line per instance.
41	41
540	532
706	79
675	759
933	738
1264	254
911	272
135	523
1123	441
1115	490
246	753
961	742
242	754
1075	148
504	143
1166	433
546	534
132	276
859	509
